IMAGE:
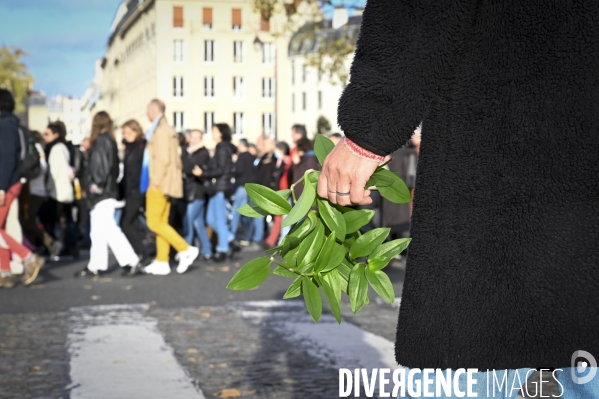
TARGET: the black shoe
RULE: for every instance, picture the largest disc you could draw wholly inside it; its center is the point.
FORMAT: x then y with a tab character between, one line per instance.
88	273
130	271
234	247
219	257
205	258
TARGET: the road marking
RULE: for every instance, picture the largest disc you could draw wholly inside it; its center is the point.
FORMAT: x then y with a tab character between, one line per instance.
116	352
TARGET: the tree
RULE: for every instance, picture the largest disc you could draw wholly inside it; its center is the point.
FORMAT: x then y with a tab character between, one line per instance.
323	126
14	75
329	52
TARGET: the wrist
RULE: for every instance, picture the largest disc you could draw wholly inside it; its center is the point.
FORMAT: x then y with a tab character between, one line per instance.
362	152
2	193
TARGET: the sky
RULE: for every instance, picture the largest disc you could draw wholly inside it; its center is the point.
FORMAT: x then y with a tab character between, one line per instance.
62	38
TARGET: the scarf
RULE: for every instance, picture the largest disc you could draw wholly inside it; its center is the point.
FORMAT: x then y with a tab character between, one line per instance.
144	182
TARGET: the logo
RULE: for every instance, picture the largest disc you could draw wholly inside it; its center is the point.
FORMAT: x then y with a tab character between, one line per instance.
583	367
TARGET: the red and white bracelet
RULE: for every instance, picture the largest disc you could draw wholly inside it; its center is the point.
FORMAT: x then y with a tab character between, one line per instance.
362	152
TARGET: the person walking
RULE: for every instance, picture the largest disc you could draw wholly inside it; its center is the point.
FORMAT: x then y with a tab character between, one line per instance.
160	181
135	144
219	172
196	156
10	187
283	165
502	267
245	172
101	187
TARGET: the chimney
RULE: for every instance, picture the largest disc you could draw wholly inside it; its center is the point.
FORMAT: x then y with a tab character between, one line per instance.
340	17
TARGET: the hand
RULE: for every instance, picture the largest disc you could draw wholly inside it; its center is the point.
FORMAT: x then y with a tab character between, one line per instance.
197	171
295	158
2	198
345	172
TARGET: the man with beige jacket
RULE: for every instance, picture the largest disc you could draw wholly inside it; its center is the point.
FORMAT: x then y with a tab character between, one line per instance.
161	181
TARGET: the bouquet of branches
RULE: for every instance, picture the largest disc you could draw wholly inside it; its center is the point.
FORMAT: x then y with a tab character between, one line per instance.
324	250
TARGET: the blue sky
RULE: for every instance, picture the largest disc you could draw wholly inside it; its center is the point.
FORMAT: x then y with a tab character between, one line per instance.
62	37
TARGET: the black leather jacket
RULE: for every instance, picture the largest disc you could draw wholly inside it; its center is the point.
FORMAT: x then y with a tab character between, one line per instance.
194	186
102	170
220	168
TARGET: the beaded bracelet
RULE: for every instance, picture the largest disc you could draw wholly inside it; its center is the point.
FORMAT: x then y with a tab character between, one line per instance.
362	152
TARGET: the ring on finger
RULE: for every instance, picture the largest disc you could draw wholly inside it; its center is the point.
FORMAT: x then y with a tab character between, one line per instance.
342	194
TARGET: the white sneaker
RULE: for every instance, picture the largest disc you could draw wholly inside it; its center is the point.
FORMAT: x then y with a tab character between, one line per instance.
186	258
158	268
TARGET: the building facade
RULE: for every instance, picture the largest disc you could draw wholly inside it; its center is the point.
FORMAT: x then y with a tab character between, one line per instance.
210	61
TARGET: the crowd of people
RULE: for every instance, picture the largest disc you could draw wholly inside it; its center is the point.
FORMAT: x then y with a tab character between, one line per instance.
156	195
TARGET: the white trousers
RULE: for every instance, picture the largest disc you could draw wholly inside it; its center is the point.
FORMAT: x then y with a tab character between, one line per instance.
105	233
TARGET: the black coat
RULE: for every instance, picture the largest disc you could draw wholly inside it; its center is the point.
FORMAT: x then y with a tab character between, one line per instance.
502	271
266	171
102	170
10	150
245	170
133	161
193	186
219	170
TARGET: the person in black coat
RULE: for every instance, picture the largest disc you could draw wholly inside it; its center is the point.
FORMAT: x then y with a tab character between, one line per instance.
195	157
245	172
218	174
502	267
134	144
101	187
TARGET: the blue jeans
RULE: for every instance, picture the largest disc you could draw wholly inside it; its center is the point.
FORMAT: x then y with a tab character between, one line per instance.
241	198
253	228
194	224
500	386
217	219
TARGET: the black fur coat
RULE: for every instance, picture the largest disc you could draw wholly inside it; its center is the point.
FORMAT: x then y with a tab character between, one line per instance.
503	269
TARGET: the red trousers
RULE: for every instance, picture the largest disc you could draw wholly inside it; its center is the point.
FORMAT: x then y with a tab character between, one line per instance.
13	246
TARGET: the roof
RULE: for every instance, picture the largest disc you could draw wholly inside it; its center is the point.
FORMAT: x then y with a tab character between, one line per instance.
132	11
302	42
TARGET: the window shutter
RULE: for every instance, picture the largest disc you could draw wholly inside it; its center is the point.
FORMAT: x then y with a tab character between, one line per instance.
264	23
177	17
207	16
236	17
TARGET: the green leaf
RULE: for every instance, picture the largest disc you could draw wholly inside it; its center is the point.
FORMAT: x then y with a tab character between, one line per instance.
332	217
397	192
282	272
303	228
332	293
251	210
351	239
381	283
322	147
336	257
344	270
295	289
382	255
304	203
284	193
357	219
312	298
358	288
311	245
325	253
368	242
313	176
290	257
380	179
251	275
268	199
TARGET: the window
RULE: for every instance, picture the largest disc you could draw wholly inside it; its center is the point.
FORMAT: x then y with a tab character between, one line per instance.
179	51
237	51
178	121
264	23
268	53
177	17
209	50
268	123
208	122
268	87
304	101
293	102
209	86
319	76
207	18
238	123
320	100
304	73
178	86
236	18
238	88
292	72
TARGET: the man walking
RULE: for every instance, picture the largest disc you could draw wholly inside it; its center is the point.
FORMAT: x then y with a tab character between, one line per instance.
162	180
10	187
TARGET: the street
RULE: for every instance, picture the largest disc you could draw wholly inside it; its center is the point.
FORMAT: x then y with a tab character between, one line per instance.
183	336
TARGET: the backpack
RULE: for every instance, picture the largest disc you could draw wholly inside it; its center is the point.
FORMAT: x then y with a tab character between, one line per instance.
30	166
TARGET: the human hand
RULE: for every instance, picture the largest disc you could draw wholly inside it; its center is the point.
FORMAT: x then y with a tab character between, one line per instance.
295	158
197	171
345	172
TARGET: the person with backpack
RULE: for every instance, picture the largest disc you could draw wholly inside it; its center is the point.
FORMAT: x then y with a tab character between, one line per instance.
10	187
37	196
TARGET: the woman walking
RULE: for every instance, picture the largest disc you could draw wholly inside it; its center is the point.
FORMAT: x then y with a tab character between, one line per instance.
135	144
101	188
219	172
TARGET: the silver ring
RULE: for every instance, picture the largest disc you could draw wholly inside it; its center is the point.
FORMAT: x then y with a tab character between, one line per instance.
342	194
332	192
